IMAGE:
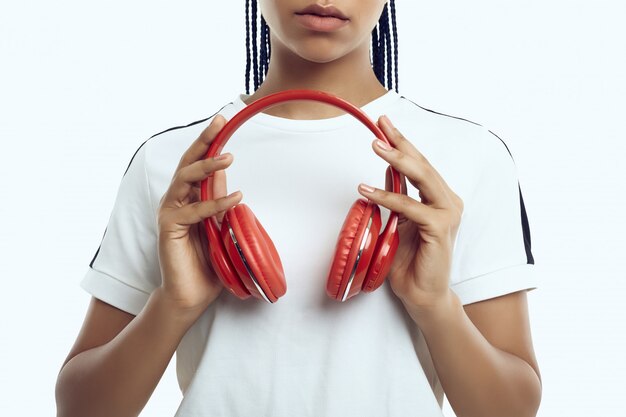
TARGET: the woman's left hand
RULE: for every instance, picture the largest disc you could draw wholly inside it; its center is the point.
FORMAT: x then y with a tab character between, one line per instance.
420	271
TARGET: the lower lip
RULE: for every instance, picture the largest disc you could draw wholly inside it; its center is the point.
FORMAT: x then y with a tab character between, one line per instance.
319	23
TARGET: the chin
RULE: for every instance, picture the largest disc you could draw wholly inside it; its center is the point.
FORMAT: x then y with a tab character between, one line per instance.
319	52
319	59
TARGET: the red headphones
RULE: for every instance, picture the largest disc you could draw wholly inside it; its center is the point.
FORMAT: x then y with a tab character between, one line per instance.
246	260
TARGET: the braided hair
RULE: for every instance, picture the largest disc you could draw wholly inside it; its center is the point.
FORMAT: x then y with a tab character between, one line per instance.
381	53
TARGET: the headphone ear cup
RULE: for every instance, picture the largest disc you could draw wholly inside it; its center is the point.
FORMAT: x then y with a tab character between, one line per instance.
353	250
382	257
253	254
223	266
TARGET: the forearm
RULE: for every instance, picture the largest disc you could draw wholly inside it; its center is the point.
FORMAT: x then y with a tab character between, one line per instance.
478	379
118	378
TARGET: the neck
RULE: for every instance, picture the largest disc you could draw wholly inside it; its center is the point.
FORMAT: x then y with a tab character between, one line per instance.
350	77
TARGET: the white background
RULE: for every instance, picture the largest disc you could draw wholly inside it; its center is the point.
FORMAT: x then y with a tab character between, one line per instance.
83	84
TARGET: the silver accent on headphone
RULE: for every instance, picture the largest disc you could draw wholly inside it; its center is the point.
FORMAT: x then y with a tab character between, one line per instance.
356	262
245	263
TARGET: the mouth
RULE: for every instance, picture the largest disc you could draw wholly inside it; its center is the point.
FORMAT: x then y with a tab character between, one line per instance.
321	19
323	12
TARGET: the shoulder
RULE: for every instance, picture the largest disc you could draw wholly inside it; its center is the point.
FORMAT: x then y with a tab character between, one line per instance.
467	154
456	133
161	151
179	137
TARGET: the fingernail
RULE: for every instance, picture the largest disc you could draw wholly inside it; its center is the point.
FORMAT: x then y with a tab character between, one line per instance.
382	145
220	157
366	188
387	121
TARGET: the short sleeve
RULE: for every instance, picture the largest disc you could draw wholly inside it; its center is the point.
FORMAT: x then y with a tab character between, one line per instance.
492	255
125	268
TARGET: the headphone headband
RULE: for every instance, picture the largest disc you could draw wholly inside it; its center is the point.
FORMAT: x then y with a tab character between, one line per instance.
271	100
275	99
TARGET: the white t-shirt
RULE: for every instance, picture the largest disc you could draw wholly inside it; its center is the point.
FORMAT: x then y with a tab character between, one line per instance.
308	355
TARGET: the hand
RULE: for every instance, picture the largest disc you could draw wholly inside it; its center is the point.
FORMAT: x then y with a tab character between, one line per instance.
188	277
420	271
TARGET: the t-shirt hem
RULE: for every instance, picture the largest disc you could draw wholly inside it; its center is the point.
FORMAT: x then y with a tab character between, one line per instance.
114	292
497	283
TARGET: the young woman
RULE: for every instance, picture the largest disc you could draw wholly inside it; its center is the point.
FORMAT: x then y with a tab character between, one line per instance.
451	316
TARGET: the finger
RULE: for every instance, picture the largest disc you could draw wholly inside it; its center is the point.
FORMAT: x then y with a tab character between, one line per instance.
420	175
219	190
219	184
396	138
200	146
400	142
198	211
402	204
184	179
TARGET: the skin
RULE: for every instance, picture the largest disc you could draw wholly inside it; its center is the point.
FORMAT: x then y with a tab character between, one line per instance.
108	371
302	58
489	340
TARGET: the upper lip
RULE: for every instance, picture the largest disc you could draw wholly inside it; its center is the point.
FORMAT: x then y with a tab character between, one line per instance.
323	11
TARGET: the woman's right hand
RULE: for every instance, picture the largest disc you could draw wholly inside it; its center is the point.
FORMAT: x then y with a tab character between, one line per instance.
189	281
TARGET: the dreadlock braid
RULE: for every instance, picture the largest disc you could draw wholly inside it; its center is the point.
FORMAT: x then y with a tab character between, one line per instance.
248	46
394	27
384	40
257	82
264	57
265	47
384	61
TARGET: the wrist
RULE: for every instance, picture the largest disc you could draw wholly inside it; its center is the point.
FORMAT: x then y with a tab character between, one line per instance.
436	313
174	310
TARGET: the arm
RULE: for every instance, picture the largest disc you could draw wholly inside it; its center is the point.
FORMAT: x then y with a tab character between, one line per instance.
490	342
118	358
482	353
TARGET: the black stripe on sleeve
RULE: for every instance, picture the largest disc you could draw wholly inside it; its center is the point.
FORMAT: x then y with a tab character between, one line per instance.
525	226
133	157
96	254
524	218
436	112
